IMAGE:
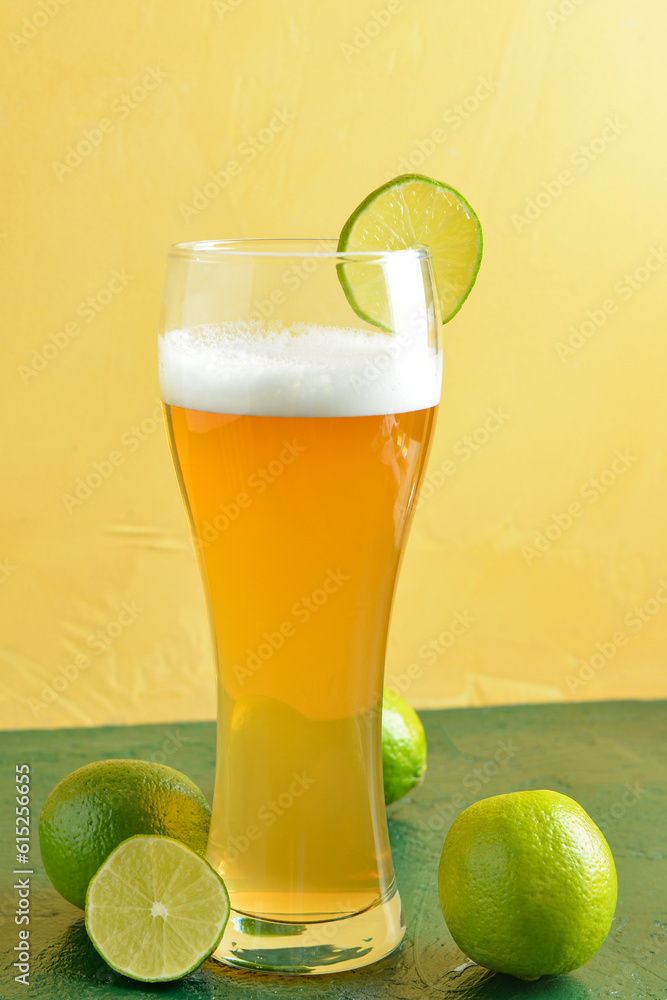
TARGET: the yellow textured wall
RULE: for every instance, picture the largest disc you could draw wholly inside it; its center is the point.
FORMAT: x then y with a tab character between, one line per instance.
537	559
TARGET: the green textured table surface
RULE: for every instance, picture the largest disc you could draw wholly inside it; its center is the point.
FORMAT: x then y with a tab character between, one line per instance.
611	757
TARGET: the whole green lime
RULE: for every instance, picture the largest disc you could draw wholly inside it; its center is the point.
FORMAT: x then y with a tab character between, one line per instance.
527	884
403	747
91	811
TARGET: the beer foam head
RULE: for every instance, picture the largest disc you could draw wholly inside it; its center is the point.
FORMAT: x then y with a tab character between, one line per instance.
303	370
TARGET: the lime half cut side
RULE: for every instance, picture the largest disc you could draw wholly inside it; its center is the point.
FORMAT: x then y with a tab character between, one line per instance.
411	212
155	909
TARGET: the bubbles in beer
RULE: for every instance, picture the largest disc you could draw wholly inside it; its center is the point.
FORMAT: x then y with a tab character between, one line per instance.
304	370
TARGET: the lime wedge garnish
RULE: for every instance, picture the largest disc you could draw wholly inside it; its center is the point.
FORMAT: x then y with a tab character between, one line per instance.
411	211
155	909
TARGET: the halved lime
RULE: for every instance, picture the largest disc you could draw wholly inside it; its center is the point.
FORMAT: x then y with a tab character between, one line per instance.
411	212
155	909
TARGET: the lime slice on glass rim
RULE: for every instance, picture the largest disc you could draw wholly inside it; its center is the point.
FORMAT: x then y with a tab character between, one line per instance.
411	212
155	910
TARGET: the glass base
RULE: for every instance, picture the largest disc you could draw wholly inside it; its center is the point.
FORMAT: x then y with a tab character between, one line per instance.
309	949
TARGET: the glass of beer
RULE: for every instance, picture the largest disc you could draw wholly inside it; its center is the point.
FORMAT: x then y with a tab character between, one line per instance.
299	431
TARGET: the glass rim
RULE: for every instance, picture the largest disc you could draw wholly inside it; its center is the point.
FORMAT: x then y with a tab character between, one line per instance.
325	248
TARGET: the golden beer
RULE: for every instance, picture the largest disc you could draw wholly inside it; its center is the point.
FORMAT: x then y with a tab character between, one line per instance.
299	524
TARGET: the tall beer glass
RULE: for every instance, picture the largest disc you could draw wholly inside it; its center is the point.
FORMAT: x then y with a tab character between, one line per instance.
299	432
